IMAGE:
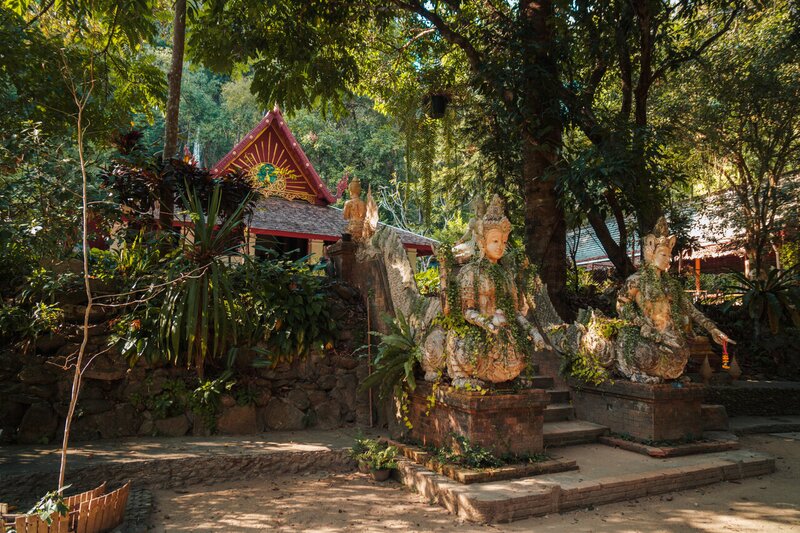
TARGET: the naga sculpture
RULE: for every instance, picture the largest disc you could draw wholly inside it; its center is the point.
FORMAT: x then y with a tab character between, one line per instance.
362	216
484	335
648	343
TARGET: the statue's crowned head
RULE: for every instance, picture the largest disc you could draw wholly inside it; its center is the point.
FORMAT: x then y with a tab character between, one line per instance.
658	246
354	187
494	230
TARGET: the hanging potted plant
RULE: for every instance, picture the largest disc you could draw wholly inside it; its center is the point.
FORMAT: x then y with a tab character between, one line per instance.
438	104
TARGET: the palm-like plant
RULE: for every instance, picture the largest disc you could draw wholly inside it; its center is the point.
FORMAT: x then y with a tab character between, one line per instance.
199	315
397	358
773	299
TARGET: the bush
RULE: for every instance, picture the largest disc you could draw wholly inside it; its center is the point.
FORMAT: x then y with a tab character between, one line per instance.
375	454
428	281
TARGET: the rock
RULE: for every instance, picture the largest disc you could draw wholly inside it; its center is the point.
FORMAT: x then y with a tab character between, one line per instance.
329	415
11	414
348	363
38	425
299	399
262	398
48	344
238	420
74	313
37	375
147	426
94	406
45	392
327	382
282	415
105	374
9	363
227	400
122	421
176	426
317	397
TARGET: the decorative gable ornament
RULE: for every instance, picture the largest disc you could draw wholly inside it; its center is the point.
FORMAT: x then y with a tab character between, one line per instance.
272	159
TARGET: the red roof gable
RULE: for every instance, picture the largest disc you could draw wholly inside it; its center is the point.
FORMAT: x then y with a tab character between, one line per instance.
273	158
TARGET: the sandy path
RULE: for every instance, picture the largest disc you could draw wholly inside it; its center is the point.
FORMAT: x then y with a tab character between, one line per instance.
353	502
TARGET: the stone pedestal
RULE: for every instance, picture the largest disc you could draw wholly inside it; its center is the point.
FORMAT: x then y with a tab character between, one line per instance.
343	255
500	422
645	412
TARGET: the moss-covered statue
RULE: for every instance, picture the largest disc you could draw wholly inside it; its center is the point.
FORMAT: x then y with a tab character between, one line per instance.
648	343
484	336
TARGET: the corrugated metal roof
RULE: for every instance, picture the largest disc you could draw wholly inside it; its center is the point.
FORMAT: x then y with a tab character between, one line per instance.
590	251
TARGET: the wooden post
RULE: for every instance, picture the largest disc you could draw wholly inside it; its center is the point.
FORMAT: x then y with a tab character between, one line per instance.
412	257
697	276
316	248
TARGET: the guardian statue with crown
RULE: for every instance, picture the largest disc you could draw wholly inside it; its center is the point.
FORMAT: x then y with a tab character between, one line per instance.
650	339
486	335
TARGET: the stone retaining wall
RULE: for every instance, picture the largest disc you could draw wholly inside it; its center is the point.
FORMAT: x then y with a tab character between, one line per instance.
318	390
24	490
758	399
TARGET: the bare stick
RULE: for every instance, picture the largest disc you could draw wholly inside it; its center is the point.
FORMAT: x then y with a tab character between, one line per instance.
80	102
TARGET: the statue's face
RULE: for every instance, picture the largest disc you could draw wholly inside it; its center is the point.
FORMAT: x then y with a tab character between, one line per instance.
662	258
494	245
355	189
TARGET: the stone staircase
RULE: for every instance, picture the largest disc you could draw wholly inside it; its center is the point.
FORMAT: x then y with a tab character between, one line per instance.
560	426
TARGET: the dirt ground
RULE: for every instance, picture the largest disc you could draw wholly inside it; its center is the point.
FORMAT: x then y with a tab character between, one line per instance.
353	502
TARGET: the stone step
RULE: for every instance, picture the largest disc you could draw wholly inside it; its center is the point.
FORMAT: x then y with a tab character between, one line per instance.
715	417
542	382
556	412
569	432
559	395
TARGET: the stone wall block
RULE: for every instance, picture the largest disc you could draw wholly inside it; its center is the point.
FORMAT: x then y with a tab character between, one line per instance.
38	424
176	426
38	375
327	382
328	415
282	415
299	399
238	420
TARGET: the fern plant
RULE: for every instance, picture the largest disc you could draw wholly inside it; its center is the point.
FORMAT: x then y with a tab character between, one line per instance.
396	361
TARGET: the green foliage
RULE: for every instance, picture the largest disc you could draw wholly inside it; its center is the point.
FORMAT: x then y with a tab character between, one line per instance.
199	315
465	453
774	300
375	454
177	397
428	281
288	306
50	504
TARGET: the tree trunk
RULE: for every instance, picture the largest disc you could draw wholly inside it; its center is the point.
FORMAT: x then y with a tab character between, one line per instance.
167	193
545	226
617	253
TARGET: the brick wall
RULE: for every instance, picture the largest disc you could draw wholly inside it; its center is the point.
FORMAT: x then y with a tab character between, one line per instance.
646	412
503	423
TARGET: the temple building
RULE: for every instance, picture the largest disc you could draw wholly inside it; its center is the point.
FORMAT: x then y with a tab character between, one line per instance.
296	209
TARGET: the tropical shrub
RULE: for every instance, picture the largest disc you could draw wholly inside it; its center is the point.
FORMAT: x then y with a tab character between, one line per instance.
428	281
196	314
774	300
288	302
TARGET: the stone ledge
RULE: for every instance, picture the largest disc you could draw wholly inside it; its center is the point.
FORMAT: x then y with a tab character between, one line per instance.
629	389
467	476
677	450
515	500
